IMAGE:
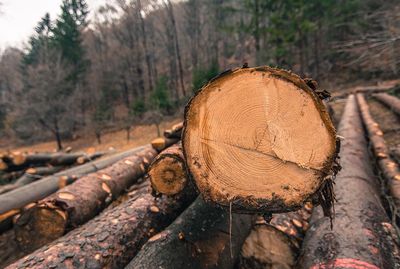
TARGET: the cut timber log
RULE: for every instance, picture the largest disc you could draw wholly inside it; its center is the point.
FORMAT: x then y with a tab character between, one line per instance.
111	239
77	203
175	131
167	173
258	139
40	189
388	167
360	236
276	244
162	143
21	161
390	101
30	175
201	238
395	153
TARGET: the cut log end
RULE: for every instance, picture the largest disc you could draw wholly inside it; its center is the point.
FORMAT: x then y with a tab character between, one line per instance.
258	139
168	176
40	226
267	247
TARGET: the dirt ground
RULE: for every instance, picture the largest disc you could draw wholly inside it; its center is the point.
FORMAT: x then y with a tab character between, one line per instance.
117	140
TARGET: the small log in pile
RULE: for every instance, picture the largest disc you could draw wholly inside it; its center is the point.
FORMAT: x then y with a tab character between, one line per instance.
114	237
202	237
35	191
388	167
390	101
175	131
162	143
20	161
361	235
276	244
168	172
260	139
29	176
79	202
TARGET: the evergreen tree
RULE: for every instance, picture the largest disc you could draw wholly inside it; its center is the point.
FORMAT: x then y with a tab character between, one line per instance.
67	35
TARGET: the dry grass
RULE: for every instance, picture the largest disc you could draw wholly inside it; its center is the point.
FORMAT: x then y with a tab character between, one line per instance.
117	140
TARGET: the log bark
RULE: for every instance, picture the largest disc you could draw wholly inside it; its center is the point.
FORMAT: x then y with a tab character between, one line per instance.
395	153
202	237
162	143
168	172
389	168
390	101
40	189
77	203
259	139
111	239
21	161
276	244
31	175
175	131
360	236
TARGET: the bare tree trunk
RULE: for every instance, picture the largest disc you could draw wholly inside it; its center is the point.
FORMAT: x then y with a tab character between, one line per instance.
144	42
177	49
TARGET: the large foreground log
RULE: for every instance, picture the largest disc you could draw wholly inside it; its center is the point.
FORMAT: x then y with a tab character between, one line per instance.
390	101
168	172
276	244
203	237
258	139
79	202
40	189
111	239
388	167
359	237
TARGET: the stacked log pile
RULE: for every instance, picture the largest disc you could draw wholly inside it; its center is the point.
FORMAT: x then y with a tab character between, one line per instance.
254	142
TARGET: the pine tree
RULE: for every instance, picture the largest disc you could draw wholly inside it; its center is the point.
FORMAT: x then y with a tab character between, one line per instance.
67	35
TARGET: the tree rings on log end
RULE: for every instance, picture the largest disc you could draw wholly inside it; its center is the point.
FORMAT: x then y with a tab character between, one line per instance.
168	175
46	224
258	139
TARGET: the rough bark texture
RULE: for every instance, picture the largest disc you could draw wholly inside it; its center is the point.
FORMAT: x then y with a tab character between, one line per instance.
259	139
388	167
202	237
162	143
79	202
9	251
48	185
361	235
395	153
175	131
168	172
111	239
391	101
276	245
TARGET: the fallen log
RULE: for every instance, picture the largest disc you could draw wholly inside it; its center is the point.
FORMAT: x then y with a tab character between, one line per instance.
259	139
162	143
390	101
30	175
113	238
40	189
275	244
77	203
359	237
202	237
168	172
388	167
21	161
175	131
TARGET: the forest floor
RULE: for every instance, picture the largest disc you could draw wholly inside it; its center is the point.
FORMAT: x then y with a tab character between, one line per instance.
111	140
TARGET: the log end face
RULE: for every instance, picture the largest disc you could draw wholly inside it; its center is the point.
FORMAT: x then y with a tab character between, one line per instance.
39	226
168	176
258	139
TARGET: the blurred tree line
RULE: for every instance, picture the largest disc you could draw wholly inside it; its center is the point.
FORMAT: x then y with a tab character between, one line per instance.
139	60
